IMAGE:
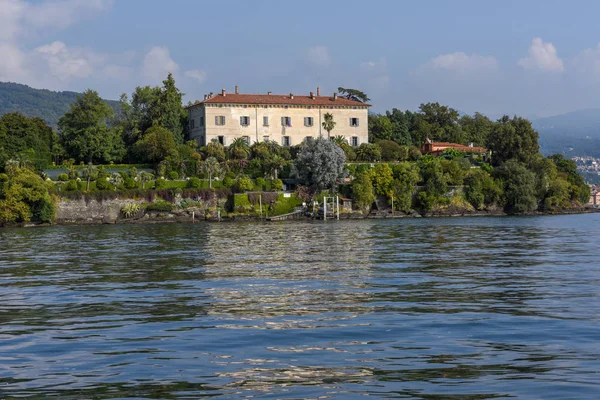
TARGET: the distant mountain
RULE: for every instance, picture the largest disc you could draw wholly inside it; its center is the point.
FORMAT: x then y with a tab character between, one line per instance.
42	103
573	134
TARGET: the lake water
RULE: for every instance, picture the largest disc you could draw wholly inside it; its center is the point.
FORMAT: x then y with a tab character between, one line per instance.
469	308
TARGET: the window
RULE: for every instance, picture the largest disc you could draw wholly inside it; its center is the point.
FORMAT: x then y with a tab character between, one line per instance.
286	121
308	121
353	121
192	123
247	139
221	139
265	121
244	121
201	121
354	141
265	138
219	120
285	141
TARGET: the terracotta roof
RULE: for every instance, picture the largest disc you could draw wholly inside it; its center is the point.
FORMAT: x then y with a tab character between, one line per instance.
232	98
460	147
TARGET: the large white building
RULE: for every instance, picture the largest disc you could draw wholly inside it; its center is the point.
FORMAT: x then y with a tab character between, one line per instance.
286	119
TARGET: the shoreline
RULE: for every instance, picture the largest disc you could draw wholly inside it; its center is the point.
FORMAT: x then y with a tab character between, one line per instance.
184	217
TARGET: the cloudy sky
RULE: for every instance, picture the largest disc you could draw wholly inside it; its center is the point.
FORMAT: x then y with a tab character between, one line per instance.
533	58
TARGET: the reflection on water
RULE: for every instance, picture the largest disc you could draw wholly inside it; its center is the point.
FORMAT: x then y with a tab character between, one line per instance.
468	308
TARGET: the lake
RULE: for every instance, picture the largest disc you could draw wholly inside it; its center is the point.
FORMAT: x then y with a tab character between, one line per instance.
464	308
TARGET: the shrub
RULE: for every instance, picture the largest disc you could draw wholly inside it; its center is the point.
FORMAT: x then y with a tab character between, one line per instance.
173	175
71	185
259	184
194	183
277	184
160	183
3	178
245	184
130	183
102	184
228	182
63	177
45	210
130	209
163	206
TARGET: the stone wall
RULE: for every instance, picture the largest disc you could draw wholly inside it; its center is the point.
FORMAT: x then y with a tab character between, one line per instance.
82	212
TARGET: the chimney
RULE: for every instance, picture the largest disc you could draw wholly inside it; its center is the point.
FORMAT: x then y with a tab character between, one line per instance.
237	89
335	96
292	96
223	92
312	95
318	91
210	95
205	96
269	93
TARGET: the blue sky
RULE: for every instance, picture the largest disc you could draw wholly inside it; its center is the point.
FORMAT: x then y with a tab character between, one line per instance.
532	58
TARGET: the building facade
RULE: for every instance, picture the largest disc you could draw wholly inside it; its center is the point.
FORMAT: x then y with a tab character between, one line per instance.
286	119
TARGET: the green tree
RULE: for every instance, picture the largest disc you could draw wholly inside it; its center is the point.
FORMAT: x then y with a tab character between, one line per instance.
392	151
320	163
519	186
157	144
578	189
513	139
24	197
353	94
84	131
380	128
368	152
406	176
439	123
328	123
23	137
477	128
382	179
171	114
362	192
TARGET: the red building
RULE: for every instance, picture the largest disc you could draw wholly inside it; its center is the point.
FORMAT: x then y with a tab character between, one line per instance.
437	148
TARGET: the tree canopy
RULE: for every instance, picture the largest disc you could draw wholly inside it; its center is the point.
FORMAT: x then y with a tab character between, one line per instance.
320	163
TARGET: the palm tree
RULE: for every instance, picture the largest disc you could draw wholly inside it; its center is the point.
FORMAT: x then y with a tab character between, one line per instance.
145	177
116	179
275	163
328	123
90	172
239	149
339	140
211	167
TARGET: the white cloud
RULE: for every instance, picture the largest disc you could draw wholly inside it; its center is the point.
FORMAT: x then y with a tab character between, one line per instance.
319	56
461	62
196	74
158	64
542	56
65	63
587	63
49	65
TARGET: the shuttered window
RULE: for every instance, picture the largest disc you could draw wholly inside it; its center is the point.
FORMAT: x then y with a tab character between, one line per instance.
353	121
308	121
219	120
244	121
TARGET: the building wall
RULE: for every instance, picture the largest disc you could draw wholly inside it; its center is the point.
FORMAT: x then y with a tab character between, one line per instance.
256	131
